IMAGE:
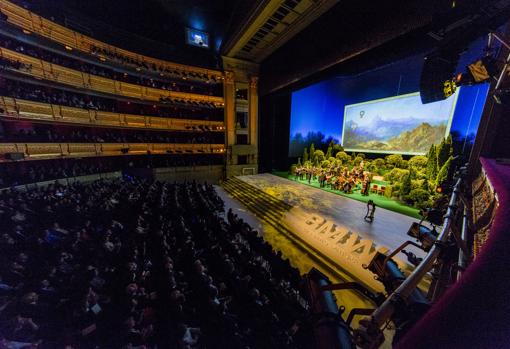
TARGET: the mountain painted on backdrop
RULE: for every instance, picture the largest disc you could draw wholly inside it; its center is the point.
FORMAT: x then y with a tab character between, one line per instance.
383	130
417	140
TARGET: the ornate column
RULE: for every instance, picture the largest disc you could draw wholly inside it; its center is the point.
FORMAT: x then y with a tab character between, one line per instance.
230	105
242	143
253	97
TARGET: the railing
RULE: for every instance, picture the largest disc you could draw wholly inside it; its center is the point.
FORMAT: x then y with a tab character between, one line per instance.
48	71
64	181
209	173
16	109
32	22
370	333
34	151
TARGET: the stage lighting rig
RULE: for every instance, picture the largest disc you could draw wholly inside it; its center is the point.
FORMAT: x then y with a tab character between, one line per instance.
423	234
437	81
488	68
411	257
407	311
479	71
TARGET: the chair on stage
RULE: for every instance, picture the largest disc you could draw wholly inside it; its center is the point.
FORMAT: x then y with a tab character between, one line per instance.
374	188
382	191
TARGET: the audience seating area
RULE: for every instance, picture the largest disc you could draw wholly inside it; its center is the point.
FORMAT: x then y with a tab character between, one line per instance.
21	173
161	81
138	264
39	69
48	92
16	109
33	23
90	101
34	151
38	132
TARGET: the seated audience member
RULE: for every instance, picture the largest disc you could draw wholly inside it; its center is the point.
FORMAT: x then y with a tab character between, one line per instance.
139	264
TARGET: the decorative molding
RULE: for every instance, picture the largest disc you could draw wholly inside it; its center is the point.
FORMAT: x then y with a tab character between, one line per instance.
19	109
229	77
44	70
38	151
254	82
241	68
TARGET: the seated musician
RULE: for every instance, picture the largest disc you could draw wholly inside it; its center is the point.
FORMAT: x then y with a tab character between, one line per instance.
309	174
347	186
366	184
328	179
322	178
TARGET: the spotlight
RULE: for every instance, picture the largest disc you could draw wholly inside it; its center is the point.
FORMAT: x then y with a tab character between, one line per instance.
478	72
424	235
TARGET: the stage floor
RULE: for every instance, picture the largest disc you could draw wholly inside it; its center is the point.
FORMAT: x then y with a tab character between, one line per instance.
380	200
332	226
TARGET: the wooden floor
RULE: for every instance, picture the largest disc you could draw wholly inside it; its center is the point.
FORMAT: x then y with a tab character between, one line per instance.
332	226
388	228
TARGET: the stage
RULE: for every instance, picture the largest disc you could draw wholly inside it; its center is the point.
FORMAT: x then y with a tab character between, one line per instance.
327	227
380	200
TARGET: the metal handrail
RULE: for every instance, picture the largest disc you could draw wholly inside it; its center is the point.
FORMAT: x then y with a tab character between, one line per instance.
462	256
384	312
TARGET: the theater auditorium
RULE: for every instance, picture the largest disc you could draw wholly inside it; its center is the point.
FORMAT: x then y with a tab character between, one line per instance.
254	174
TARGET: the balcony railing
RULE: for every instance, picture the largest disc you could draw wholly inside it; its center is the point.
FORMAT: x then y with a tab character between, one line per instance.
15	109
34	23
40	69
38	151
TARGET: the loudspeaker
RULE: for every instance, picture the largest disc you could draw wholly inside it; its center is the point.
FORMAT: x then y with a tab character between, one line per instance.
438	69
124	150
15	156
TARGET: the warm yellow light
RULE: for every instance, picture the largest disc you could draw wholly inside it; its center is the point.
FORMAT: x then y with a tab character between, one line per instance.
68	48
27	31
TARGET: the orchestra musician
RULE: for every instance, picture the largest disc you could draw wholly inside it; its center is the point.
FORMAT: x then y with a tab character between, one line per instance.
337	178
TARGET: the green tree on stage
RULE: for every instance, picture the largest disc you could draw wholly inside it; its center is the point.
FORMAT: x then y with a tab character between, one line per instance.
305	155
444	151
394	160
319	155
343	156
432	163
418	162
379	163
312	153
425	185
336	148
406	186
443	172
329	152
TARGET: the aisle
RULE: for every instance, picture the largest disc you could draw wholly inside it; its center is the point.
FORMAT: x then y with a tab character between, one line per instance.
298	258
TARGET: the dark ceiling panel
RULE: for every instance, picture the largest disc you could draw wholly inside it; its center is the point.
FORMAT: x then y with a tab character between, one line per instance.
346	29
